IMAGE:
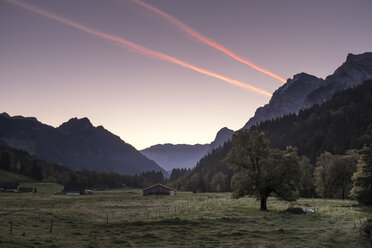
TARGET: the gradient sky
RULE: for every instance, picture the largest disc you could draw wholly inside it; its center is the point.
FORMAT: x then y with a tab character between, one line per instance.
55	72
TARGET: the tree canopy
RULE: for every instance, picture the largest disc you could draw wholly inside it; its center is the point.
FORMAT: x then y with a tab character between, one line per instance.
263	171
362	179
333	174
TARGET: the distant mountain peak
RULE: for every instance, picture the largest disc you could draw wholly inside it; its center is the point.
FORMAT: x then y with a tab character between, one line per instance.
18	117
304	90
76	124
224	129
171	156
359	57
287	99
301	75
76	144
356	69
223	135
5	115
296	84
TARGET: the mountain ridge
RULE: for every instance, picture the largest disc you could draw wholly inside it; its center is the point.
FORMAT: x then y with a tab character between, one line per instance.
170	156
286	99
304	90
76	144
355	70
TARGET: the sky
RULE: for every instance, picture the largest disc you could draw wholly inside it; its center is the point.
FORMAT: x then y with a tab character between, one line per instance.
55	71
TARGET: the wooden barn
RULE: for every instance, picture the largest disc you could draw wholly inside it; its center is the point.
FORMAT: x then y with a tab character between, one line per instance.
75	189
9	186
26	189
158	189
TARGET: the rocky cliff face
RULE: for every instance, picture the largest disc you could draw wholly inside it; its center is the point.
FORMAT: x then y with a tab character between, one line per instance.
287	99
354	71
222	136
305	90
76	144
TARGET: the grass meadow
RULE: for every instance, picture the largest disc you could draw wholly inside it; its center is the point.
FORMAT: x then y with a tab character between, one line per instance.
124	218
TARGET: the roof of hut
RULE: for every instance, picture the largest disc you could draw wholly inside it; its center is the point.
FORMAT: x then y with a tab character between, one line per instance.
158	184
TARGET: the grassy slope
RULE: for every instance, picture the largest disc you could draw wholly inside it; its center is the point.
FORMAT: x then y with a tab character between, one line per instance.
6	176
201	220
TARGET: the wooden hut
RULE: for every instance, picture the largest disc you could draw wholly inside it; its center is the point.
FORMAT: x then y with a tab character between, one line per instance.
26	189
158	189
9	186
74	189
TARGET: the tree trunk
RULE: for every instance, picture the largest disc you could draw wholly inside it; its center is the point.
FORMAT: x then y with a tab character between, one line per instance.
343	193
263	203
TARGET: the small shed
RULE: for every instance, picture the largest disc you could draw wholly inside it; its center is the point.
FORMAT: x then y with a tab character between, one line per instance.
74	189
9	186
158	189
26	189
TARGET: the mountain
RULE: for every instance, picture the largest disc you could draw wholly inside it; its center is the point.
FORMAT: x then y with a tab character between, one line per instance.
354	71
76	144
337	125
289	98
301	92
19	166
170	156
304	90
222	136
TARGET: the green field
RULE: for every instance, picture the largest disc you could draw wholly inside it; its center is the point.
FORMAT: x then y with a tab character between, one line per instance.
7	176
124	218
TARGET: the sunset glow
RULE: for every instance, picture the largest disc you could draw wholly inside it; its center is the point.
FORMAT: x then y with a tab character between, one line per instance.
126	65
138	48
206	40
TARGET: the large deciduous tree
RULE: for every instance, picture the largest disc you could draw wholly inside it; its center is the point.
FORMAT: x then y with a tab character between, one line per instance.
307	180
362	179
333	174
263	171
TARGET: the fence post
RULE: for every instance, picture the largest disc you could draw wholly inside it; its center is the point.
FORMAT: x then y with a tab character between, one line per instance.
360	226
107	217
51	226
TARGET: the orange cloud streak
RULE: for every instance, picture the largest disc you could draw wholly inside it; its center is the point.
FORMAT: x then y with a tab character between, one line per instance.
206	40
137	48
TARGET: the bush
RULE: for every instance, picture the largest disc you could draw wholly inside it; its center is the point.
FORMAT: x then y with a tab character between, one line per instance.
292	210
367	228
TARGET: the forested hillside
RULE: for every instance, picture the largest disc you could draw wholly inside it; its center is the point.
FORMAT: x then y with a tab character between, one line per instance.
76	144
18	162
338	125
335	126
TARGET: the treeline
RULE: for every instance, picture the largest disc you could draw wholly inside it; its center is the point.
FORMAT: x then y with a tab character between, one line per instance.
329	177
335	126
328	138
21	162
